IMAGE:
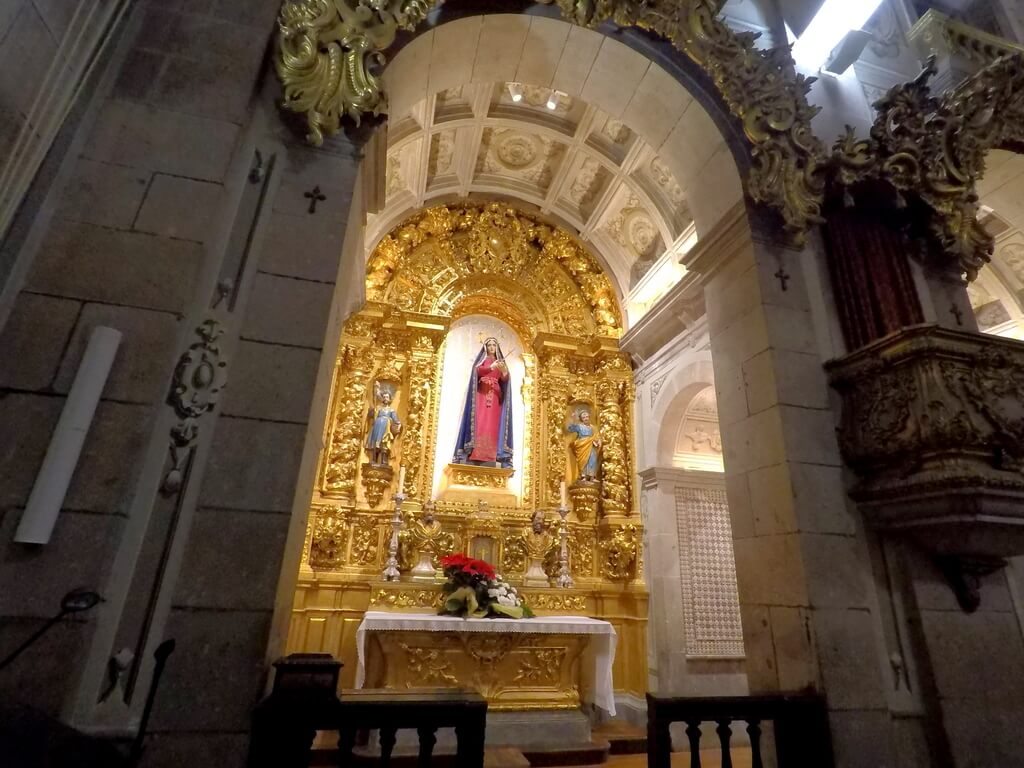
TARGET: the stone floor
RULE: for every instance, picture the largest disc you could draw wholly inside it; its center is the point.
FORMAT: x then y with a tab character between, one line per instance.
708	759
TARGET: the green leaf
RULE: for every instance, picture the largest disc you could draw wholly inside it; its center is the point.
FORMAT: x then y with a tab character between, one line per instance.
507	610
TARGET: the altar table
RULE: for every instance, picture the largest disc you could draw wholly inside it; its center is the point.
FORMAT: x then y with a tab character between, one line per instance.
515	663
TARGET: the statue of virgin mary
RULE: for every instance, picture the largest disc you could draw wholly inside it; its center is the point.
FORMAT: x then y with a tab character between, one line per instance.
485	432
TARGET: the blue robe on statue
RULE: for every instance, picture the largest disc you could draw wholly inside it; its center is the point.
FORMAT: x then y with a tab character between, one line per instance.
380	433
589	467
466	440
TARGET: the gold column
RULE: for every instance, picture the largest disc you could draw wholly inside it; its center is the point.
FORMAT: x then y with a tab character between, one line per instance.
421	372
615	483
345	442
555	388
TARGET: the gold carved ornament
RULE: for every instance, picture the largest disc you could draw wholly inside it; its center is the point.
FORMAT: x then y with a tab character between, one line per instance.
514	553
555	392
376	481
326	49
933	149
329	538
421	370
346	439
429	666
620	550
417	536
614	462
557	601
366	533
419	598
500	252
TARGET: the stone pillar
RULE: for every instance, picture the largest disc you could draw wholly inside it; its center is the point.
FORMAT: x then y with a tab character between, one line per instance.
187	219
805	586
966	668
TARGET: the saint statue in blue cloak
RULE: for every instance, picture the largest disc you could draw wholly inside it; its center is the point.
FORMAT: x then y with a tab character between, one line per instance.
485	432
585	449
384	428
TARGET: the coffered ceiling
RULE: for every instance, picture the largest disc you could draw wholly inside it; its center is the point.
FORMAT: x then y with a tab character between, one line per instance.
573	163
998	294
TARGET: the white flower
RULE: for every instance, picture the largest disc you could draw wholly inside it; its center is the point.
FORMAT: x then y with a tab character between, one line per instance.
493	592
497	577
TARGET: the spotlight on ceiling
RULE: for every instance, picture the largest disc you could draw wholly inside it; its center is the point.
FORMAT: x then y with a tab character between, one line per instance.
552	100
829	27
516	90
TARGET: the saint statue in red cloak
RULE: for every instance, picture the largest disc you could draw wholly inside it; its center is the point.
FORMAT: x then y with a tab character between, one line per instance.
485	433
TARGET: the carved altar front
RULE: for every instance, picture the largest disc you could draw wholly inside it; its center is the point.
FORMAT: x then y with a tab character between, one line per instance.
436	272
525	664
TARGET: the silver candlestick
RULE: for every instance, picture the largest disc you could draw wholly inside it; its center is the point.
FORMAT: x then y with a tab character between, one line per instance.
391	572
564	580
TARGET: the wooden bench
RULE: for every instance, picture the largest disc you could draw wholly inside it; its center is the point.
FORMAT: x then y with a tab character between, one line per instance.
304	701
424	710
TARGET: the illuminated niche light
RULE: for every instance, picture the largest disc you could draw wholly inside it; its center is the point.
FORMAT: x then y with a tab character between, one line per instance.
829	26
516	91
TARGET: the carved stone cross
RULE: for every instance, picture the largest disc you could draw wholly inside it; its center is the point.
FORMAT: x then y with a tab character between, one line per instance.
783	277
315	196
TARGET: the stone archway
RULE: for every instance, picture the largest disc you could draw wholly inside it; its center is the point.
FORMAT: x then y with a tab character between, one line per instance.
325	81
272	300
766	337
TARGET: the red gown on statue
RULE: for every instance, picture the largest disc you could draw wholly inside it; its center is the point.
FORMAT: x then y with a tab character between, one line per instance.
488	411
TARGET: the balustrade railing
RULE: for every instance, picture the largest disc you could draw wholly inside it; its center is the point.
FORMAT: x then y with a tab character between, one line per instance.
798	723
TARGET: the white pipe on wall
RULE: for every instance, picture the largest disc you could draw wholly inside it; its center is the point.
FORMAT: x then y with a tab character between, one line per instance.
54	476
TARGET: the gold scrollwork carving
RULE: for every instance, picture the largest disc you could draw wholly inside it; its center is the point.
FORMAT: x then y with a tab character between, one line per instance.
326	50
582	542
329	539
498	250
547	601
620	549
543	666
365	541
428	665
347	435
934	150
417	598
615	495
489	648
376	480
555	392
513	553
420	373
478	477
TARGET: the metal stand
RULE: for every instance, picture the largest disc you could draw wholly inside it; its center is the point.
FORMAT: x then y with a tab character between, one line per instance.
564	580
391	572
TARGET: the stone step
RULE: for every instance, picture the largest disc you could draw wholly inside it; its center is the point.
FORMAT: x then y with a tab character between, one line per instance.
623	738
406	757
593	753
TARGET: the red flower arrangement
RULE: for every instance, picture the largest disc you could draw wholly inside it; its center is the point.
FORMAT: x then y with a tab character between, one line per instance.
468	567
474	589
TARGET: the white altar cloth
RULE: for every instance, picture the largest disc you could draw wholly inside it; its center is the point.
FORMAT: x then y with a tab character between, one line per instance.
599	656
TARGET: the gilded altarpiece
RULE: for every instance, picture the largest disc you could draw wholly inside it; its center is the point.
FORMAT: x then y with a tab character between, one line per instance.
445	264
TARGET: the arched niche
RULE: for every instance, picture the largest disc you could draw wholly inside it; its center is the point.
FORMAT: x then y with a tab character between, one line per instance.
675	396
